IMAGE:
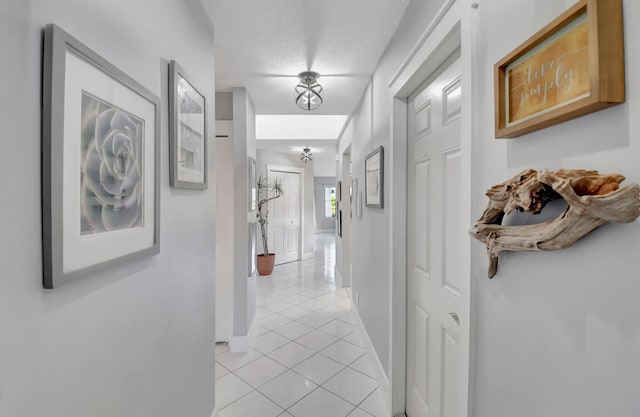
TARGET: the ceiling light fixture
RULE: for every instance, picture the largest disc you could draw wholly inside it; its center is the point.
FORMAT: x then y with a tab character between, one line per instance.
308	91
306	155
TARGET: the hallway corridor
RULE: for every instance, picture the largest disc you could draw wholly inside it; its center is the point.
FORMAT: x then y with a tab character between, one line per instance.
307	356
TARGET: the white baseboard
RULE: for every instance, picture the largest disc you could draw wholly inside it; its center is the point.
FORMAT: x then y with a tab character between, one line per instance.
239	344
307	255
384	381
215	412
321	231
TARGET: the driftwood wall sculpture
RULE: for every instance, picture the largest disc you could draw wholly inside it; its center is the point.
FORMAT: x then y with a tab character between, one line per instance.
593	199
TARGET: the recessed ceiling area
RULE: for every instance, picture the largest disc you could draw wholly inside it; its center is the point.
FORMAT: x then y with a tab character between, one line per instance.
262	45
299	126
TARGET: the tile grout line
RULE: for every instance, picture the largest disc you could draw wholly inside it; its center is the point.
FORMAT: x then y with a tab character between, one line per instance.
251	392
317	385
314	293
366	398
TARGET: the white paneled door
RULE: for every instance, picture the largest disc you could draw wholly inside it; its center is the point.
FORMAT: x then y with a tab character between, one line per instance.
285	218
434	282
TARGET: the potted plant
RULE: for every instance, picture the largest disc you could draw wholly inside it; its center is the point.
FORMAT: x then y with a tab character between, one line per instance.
266	192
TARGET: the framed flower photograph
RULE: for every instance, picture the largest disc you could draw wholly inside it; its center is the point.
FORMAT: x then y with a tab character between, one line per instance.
374	178
188	132
100	166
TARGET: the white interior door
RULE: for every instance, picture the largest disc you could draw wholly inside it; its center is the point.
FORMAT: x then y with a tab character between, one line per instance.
285	218
435	378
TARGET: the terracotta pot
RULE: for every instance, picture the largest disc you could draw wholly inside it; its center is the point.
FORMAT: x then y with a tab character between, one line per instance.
265	263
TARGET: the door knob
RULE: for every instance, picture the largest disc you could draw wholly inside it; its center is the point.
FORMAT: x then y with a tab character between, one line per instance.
455	317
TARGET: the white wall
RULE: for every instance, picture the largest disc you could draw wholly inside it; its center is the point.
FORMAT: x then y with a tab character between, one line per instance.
224	230
557	333
224	210
289	159
236	289
554	333
368	128
324	163
244	146
224	105
135	340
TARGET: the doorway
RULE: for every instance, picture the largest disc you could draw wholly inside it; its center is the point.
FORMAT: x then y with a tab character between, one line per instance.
434	282
345	220
412	323
285	215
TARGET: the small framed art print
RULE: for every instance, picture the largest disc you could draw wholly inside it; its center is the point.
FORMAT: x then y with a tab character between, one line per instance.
374	178
571	67
188	132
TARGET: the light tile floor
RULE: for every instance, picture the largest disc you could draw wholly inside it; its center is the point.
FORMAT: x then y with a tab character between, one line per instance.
307	356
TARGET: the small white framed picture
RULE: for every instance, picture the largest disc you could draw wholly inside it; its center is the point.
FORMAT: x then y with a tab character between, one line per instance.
188	132
374	178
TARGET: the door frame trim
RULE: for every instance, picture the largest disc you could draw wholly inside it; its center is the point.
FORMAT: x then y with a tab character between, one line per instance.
452	28
347	236
293	170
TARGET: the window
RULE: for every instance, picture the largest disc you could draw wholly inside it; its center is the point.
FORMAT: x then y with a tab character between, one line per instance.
329	201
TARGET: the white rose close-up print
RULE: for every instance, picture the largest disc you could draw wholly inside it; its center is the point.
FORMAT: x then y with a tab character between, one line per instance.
111	168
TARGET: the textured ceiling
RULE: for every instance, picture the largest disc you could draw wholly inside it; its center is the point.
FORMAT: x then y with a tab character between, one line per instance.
263	44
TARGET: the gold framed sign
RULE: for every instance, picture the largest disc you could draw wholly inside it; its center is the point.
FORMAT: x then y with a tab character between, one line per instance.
572	67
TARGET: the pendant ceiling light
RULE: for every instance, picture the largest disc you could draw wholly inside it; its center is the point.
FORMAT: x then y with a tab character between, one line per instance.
306	155
308	91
